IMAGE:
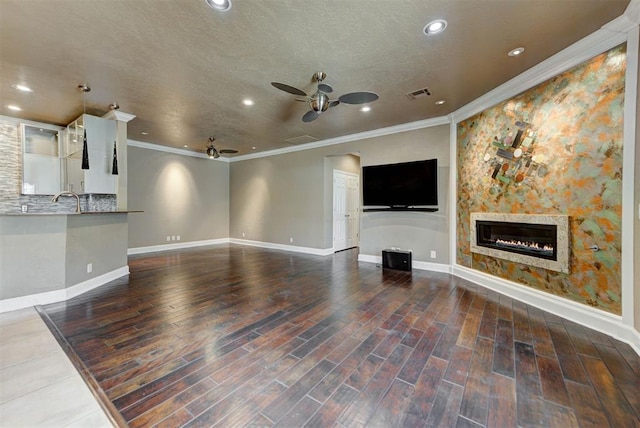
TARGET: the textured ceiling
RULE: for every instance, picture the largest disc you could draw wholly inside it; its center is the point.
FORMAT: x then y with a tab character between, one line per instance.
183	69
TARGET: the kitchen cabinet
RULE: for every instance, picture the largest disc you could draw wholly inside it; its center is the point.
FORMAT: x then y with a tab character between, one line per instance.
101	135
41	167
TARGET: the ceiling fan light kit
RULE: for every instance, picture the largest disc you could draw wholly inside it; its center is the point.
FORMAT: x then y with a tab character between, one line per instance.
214	153
219	5
319	101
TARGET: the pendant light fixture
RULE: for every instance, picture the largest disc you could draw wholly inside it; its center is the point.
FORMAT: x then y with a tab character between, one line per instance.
85	150
114	167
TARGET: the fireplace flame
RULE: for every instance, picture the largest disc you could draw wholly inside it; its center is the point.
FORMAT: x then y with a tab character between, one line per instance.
524	244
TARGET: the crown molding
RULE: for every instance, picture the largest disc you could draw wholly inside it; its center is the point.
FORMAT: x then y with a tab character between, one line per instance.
632	12
18	121
411	126
174	150
607	37
118	115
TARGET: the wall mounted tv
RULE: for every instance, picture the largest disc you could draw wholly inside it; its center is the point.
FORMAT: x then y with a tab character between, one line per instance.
401	186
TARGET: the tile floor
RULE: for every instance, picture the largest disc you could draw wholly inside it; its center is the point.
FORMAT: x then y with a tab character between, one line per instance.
39	386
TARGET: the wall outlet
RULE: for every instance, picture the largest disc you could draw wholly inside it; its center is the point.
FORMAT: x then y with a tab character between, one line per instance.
243	235
177	237
173	237
25	208
291	240
89	267
433	254
168	238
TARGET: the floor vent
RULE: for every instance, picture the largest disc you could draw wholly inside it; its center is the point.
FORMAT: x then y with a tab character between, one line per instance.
303	139
413	95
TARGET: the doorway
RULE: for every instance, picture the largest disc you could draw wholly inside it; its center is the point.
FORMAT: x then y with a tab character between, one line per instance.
346	210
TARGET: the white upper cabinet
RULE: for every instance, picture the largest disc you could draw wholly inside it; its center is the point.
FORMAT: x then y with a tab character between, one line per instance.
41	167
101	135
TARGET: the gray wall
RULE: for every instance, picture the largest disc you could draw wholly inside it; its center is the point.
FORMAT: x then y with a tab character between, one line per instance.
43	253
278	197
32	254
180	195
99	239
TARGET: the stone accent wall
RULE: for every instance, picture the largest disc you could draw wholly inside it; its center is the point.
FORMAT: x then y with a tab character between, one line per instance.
577	120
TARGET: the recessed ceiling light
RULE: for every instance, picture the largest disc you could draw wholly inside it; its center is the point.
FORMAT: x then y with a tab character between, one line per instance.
14	108
254	147
440	102
248	102
185	146
219	5
516	51
435	27
144	133
365	108
22	88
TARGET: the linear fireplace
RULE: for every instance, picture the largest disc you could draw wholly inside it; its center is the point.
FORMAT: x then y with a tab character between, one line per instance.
536	240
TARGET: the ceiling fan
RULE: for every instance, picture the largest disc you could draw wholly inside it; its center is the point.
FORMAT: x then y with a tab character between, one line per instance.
214	153
319	101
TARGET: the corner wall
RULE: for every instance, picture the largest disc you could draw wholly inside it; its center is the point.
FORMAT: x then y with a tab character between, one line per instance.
180	195
277	197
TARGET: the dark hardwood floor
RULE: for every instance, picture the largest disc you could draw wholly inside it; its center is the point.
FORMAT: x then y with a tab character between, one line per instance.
241	336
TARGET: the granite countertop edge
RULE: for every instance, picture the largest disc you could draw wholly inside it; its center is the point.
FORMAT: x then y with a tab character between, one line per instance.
28	214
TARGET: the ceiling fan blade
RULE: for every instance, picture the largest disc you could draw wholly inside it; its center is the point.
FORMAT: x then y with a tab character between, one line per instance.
289	89
310	116
325	88
358	98
334	103
228	151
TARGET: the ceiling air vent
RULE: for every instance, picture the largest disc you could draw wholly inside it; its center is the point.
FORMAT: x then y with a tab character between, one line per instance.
303	139
413	95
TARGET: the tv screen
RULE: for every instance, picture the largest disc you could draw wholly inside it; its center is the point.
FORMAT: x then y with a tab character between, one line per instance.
405	184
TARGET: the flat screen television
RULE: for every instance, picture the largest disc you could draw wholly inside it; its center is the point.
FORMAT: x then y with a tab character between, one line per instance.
401	185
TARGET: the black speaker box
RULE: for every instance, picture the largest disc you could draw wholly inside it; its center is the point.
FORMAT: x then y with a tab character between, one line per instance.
396	259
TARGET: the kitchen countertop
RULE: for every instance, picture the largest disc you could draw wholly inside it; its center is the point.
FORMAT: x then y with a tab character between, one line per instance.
69	213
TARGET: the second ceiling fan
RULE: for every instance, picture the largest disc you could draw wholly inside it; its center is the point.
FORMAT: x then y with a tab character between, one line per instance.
319	101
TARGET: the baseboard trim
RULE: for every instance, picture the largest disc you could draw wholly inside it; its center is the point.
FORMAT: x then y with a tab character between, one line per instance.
433	267
176	246
604	322
293	248
55	296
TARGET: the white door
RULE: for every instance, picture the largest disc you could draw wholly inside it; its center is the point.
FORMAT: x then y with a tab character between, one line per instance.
346	210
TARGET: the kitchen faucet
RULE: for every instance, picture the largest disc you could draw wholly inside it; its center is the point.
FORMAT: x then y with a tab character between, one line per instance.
68	193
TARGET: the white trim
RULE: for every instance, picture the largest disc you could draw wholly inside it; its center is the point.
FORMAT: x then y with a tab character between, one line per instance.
370	259
628	177
119	116
433	267
174	150
293	248
176	246
48	297
17	121
632	12
604	322
411	126
453	190
584	49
